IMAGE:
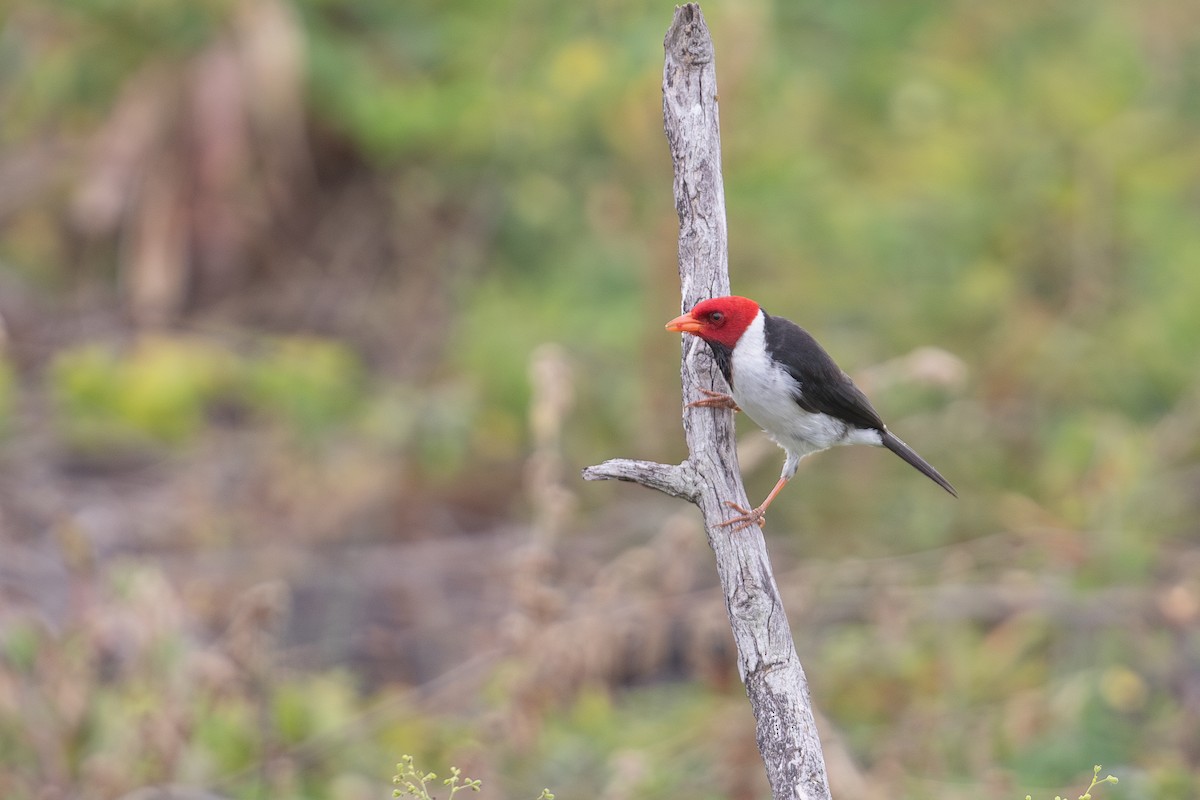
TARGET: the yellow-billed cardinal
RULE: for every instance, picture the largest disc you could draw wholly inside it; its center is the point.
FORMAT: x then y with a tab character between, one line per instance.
790	386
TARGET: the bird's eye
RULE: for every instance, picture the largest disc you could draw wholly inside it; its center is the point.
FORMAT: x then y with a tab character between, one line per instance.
716	317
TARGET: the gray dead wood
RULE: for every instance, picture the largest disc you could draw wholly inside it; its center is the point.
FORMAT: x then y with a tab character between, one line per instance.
767	661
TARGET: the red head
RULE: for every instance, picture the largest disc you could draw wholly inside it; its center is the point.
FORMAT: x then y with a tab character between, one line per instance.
721	319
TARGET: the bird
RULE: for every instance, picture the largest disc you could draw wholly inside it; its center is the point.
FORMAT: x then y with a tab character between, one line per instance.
794	390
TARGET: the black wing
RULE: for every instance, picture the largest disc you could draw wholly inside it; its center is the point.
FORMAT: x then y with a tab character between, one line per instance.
824	388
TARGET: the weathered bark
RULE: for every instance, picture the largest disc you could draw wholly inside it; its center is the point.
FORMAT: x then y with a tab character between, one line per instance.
767	661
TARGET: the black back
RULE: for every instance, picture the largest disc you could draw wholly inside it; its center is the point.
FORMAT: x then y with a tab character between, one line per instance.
824	388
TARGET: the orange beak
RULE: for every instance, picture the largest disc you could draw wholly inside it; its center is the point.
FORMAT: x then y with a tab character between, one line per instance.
685	324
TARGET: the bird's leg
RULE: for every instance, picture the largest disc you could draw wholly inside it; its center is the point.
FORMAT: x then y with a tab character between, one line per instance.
756	516
714	400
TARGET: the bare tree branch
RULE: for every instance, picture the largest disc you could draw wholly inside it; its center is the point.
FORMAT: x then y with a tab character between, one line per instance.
678	481
710	477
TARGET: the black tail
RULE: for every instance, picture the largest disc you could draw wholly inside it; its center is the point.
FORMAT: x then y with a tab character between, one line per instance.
893	443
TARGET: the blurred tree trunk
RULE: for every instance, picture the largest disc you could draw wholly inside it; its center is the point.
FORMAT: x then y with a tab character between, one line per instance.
767	660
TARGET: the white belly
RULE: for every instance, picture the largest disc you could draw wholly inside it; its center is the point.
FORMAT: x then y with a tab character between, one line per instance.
771	405
767	394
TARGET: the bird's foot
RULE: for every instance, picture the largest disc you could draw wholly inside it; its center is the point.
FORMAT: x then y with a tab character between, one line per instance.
715	400
756	516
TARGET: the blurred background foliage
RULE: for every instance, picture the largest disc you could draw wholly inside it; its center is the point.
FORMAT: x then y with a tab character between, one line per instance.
311	310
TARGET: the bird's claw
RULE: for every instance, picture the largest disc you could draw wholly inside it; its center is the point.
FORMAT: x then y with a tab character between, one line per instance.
748	517
714	400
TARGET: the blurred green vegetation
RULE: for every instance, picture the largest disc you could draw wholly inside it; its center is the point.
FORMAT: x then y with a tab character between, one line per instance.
336	232
162	390
156	392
